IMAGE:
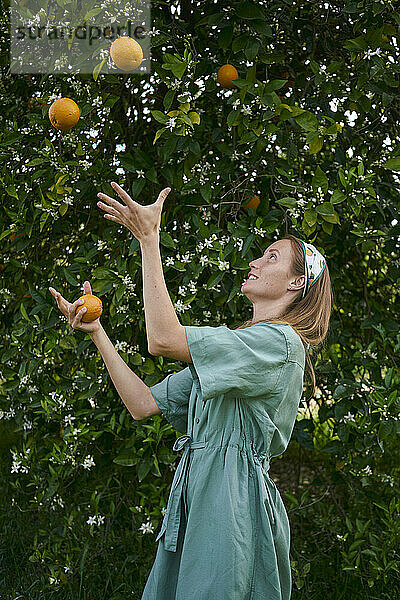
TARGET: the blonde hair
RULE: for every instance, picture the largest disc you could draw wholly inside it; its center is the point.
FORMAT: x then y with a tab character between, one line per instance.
309	316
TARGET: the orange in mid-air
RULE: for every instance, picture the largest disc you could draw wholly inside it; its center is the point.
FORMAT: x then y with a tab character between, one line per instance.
254	202
64	113
226	74
126	53
94	307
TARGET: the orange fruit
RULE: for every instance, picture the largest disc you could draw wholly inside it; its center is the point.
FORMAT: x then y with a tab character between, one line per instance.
254	202
226	74
64	113
94	307
126	53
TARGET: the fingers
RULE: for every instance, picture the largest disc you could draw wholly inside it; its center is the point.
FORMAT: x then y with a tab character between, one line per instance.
78	318
122	194
58	297
87	287
71	311
165	191
115	207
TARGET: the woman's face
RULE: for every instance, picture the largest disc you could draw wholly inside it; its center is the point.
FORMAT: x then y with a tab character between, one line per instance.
273	272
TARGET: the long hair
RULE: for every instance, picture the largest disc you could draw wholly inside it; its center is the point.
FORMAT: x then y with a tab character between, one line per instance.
309	316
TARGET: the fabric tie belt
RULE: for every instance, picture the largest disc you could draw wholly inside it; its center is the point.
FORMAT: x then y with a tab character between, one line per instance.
172	517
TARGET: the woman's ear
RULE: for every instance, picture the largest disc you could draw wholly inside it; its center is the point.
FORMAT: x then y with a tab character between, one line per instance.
298	283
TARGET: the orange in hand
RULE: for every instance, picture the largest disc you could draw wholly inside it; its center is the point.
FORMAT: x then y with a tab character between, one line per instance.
93	305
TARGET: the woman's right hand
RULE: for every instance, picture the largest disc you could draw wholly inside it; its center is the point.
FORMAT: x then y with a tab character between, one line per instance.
68	310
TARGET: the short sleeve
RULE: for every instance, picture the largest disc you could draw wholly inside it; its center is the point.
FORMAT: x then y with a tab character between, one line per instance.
237	363
172	396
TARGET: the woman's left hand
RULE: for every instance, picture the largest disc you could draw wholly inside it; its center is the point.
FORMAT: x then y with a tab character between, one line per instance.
142	221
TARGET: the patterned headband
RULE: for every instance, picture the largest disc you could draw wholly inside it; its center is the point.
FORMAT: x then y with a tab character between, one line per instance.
314	264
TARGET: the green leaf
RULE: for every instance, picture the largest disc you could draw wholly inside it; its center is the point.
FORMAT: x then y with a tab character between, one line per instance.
144	467
342	178
225	37
327	212
233	117
248	136
5	233
169	147
176	66
240	42
315	144
10	139
307	121
69	277
214	279
151	175
68	342
171	59
275	84
320	180
159	133
159	116
262	27
62	209
357	43
270	58
235	289
36	161
393	164
137	186
43	220
11	191
287	201
206	192
97	70
249	10
91	13
252	48
127	162
111	100
23	312
79	150
310	215
247	243
166	240
168	99
127	458
337	197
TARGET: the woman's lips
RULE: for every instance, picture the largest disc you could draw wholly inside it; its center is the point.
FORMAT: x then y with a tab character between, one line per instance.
248	279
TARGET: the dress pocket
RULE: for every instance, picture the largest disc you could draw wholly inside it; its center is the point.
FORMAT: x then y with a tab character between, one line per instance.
267	493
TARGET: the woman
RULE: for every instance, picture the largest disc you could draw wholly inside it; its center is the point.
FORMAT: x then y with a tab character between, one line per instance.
225	532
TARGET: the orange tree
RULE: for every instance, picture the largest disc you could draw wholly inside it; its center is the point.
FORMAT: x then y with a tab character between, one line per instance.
311	128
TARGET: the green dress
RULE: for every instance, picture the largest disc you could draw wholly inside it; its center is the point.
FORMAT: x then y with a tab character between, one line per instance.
225	534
